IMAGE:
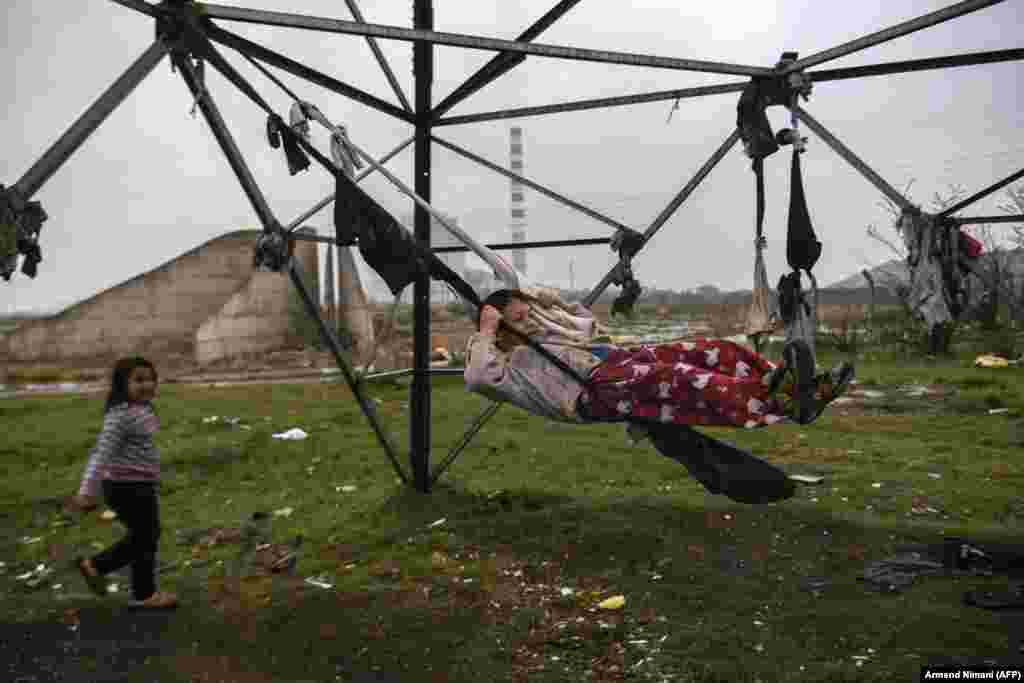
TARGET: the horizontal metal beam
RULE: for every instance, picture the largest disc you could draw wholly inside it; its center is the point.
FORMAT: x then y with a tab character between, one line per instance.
502	63
530	245
473	42
379	56
971	220
330	198
672	207
529	183
89	121
886	68
984	193
891	33
598	103
263	54
851	158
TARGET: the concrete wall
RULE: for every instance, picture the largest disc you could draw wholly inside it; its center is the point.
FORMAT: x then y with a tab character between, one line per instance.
162	310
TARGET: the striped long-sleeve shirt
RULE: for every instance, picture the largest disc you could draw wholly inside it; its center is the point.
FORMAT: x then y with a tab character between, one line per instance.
124	450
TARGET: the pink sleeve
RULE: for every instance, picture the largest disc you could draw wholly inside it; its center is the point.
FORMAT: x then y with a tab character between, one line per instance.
485	365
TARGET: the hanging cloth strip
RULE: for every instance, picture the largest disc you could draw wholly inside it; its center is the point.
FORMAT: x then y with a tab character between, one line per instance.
760	316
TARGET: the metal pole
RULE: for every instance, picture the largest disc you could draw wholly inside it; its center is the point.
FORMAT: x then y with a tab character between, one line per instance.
263	54
227	143
981	195
295	272
599	103
473	42
530	245
885	35
89	121
419	428
529	183
375	48
843	151
477	425
502	63
330	198
676	202
907	66
970	220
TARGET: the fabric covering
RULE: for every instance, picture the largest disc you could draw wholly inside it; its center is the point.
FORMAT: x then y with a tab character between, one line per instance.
705	382
802	246
933	255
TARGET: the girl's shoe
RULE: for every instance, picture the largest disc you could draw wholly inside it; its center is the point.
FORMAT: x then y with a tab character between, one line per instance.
97	584
158	600
831	385
799	360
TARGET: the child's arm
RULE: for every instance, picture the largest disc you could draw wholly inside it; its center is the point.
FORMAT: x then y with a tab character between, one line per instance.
109	441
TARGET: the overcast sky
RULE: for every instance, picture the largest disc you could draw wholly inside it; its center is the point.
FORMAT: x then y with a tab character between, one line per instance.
151	183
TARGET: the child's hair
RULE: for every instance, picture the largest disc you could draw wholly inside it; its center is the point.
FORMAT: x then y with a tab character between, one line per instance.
119	380
500	299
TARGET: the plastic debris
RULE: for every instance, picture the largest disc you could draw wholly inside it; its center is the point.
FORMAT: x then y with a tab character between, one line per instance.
108	516
30	540
295	434
210	420
319	583
113	588
877	485
566	592
935	475
284	512
348	488
807	478
614	602
437	523
991	361
998	411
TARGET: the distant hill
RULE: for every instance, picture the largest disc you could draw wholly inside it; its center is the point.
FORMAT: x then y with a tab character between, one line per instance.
885	275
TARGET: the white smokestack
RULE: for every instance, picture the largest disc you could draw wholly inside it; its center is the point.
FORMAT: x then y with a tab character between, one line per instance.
517	207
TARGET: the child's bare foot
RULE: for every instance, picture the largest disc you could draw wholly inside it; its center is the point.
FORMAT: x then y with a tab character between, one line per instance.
158	600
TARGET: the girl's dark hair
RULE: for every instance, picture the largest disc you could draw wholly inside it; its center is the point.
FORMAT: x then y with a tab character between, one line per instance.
499	299
119	380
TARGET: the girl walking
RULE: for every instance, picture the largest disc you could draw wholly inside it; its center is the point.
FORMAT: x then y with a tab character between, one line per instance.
125	466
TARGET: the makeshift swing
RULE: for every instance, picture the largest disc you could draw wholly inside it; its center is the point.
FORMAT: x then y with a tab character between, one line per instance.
791	307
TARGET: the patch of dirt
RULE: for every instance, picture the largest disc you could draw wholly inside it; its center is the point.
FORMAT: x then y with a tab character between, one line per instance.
221	669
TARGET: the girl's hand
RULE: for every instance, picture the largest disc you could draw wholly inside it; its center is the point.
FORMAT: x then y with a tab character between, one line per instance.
489	319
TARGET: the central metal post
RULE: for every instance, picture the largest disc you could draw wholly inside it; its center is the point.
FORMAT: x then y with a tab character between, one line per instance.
419	429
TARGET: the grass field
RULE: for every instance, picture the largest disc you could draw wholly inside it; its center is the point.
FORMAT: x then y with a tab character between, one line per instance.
542	522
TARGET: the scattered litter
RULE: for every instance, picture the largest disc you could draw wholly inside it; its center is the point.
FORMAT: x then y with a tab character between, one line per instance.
112	588
877	485
935	475
437	523
29	541
872	394
319	583
348	488
759	648
210	420
992	361
58	586
758	623
284	512
566	592
614	602
807	478
108	516
295	434
998	411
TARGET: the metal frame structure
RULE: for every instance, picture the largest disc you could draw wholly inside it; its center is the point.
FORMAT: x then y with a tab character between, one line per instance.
187	30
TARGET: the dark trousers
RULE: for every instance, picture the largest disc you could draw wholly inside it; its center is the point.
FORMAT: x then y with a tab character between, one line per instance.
136	505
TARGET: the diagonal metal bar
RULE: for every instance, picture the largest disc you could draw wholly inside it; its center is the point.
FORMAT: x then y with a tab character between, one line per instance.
855	161
967	59
140	6
295	271
89	121
257	51
529	183
227	143
598	103
379	56
984	193
970	220
330	198
477	425
885	35
530	245
502	63
473	42
672	207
